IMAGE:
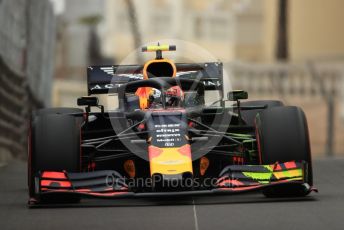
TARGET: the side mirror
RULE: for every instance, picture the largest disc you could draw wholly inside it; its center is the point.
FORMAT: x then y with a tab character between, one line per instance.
88	101
236	95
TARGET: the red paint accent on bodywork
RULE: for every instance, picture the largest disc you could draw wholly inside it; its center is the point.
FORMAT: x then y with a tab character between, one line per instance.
91	166
277	167
154	151
238	160
141	126
258	145
290	165
233	182
185	150
240	188
54	175
85	192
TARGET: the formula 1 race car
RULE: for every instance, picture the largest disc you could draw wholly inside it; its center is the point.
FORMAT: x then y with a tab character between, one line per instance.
165	138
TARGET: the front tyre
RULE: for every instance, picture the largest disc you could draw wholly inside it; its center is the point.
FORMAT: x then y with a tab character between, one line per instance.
282	135
54	145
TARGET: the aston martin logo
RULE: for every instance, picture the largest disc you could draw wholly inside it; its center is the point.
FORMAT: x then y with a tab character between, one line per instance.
109	70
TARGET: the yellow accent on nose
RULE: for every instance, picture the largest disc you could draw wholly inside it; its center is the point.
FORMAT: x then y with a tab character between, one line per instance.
170	161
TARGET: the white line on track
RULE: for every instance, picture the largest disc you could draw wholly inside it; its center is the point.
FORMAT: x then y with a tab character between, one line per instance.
195	215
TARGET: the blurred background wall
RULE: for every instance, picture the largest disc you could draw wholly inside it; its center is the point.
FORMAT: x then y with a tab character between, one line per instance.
27	41
291	50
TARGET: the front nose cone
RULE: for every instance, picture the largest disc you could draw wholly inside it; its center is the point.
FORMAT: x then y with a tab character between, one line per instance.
172	182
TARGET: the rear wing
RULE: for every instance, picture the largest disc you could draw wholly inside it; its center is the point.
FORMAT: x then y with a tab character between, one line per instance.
107	79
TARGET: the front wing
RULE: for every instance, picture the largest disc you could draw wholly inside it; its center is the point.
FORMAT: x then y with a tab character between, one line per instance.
233	179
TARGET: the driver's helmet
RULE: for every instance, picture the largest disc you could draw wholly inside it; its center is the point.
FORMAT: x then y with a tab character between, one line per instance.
174	97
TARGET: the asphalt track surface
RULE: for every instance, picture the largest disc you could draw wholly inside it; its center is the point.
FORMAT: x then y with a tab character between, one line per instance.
323	210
